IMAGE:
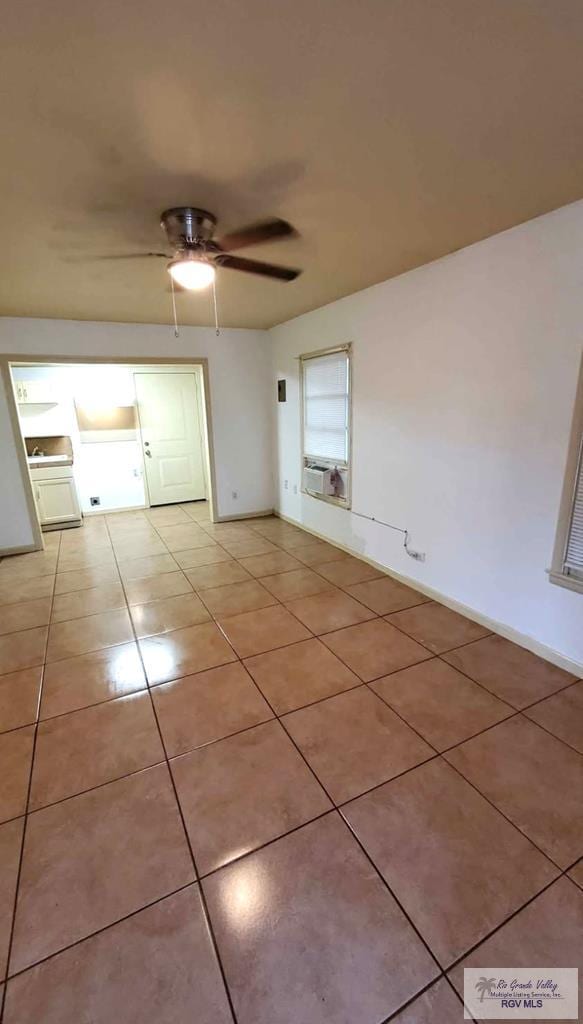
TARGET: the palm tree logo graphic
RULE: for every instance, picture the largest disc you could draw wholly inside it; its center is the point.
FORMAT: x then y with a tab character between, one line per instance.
485	985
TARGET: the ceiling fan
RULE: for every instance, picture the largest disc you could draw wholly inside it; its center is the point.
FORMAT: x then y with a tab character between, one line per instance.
196	254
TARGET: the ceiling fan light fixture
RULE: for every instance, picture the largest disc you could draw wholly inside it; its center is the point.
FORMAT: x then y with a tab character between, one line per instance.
191	272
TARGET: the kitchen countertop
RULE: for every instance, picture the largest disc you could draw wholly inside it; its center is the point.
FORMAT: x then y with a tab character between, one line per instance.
49	461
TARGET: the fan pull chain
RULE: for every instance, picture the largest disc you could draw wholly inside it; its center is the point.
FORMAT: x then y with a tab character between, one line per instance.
176	331
217	328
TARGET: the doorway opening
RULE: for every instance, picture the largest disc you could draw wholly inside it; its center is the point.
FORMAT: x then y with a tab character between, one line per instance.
101	437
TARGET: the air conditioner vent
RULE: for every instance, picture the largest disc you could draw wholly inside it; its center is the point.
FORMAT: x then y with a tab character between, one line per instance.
317	480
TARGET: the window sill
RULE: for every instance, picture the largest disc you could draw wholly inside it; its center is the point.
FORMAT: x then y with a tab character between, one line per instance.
569	582
329	499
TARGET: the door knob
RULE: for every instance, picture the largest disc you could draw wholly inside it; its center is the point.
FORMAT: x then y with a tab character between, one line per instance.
148	453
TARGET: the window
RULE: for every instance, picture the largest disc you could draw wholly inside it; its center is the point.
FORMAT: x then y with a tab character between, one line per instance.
574	549
567	566
326	424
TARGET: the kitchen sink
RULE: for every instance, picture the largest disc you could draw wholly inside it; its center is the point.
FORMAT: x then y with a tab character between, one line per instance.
37	460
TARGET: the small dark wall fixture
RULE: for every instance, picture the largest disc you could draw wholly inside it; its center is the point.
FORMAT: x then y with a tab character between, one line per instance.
281	389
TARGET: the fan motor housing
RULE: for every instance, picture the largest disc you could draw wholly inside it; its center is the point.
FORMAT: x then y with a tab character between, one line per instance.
187	225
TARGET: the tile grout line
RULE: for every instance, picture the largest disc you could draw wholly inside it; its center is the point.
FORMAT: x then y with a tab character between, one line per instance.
27	802
544	728
95	704
100	785
438	755
527	707
276	717
334	806
514	712
515	913
202	896
504	815
339	809
453	746
334	810
97	931
405	1006
367	683
376	616
250	853
281	837
383	576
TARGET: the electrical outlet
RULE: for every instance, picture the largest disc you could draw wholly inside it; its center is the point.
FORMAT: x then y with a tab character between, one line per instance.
286	484
234	495
95	501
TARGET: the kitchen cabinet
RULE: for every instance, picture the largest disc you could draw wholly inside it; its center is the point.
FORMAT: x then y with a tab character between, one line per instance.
55	495
40	392
56	501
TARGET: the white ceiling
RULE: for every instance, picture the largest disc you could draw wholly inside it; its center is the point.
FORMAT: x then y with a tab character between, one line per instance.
389	132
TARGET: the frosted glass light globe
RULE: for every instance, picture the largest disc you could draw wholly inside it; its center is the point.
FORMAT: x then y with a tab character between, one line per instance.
191	272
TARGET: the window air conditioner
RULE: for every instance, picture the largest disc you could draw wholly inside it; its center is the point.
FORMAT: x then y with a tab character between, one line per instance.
317	479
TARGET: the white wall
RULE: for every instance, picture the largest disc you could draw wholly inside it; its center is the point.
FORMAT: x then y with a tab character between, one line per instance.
464	381
15	529
239	371
112	472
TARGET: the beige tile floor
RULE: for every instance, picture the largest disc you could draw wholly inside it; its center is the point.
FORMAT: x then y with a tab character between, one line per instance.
246	777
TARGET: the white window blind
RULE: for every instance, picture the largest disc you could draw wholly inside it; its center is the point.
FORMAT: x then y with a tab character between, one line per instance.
574	548
326	407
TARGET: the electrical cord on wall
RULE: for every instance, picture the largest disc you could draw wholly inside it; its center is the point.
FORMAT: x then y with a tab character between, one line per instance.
419	556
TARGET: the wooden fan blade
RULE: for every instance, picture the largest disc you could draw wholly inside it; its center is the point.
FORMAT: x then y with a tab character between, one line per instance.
253	234
118	256
255	267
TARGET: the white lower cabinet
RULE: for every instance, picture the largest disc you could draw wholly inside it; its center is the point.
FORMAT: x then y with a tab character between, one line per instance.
56	497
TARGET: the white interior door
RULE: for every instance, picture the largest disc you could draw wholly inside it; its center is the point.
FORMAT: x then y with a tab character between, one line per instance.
172	444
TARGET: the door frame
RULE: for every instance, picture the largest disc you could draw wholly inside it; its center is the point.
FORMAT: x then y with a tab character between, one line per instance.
9	360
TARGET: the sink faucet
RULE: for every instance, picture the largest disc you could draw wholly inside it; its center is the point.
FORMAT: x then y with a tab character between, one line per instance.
36	451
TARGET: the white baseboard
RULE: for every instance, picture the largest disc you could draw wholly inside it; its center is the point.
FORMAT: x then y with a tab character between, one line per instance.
24	549
246	515
522	639
53	527
99	511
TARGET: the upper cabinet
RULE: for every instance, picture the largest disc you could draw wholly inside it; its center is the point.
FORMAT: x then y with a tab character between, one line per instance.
40	392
